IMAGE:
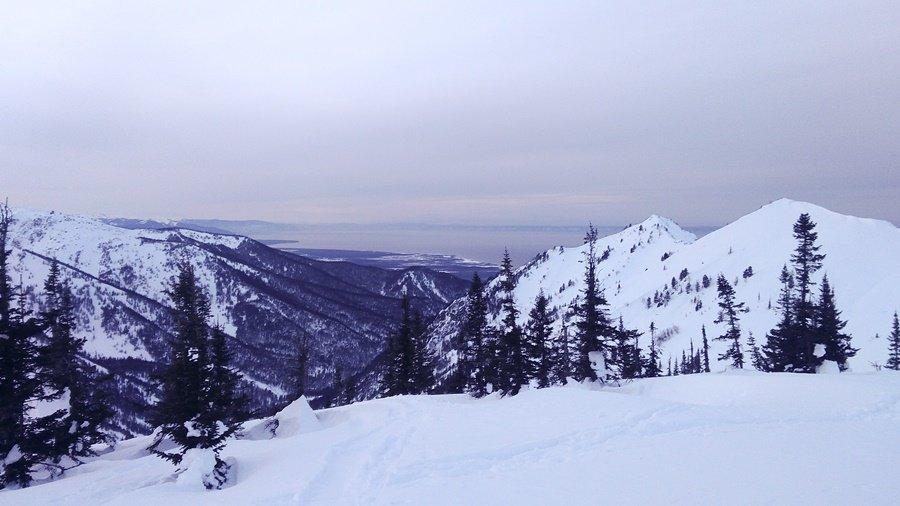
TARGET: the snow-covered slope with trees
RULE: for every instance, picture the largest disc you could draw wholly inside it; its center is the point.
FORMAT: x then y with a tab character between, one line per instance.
659	261
732	438
267	300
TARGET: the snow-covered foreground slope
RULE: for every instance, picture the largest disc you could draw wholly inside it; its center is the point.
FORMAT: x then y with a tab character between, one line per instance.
727	438
647	260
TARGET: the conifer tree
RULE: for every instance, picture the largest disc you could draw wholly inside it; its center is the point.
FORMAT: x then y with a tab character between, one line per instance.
189	413
781	349
756	357
63	372
337	386
705	349
400	368
228	403
473	361
423	369
652	368
6	291
829	329
593	327
183	396
513	370
539	332
625	353
728	314
695	362
562	353
893	361
806	260
22	442
300	369
348	394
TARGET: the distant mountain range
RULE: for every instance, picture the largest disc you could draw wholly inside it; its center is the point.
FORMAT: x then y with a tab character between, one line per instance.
267	300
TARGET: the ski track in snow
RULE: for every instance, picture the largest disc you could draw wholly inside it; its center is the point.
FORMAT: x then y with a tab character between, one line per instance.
736	438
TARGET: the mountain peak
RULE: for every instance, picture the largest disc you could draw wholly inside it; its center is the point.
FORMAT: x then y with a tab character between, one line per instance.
669	226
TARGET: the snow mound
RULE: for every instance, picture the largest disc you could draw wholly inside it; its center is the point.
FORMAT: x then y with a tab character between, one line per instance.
296	418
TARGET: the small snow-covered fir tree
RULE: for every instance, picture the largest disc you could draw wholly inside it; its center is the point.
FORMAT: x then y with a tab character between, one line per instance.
705	349
806	261
592	325
399	376
781	348
199	407
893	361
539	332
473	356
757	360
625	355
423	367
728	314
653	367
513	365
300	369
829	328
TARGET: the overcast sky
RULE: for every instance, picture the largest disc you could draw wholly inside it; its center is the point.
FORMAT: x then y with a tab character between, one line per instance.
450	112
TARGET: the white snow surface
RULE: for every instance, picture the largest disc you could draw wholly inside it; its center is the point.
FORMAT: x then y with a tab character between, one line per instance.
720	438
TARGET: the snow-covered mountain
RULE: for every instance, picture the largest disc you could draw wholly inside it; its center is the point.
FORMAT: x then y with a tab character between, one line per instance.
659	261
265	298
733	438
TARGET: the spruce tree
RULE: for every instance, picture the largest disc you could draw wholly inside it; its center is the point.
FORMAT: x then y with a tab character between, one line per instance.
300	369
893	361
695	361
562	353
756	357
64	373
473	357
188	413
337	386
423	368
513	366
728	314
23	443
705	349
539	333
781	349
400	368
626	353
592	325
652	368
228	402
829	329
806	260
